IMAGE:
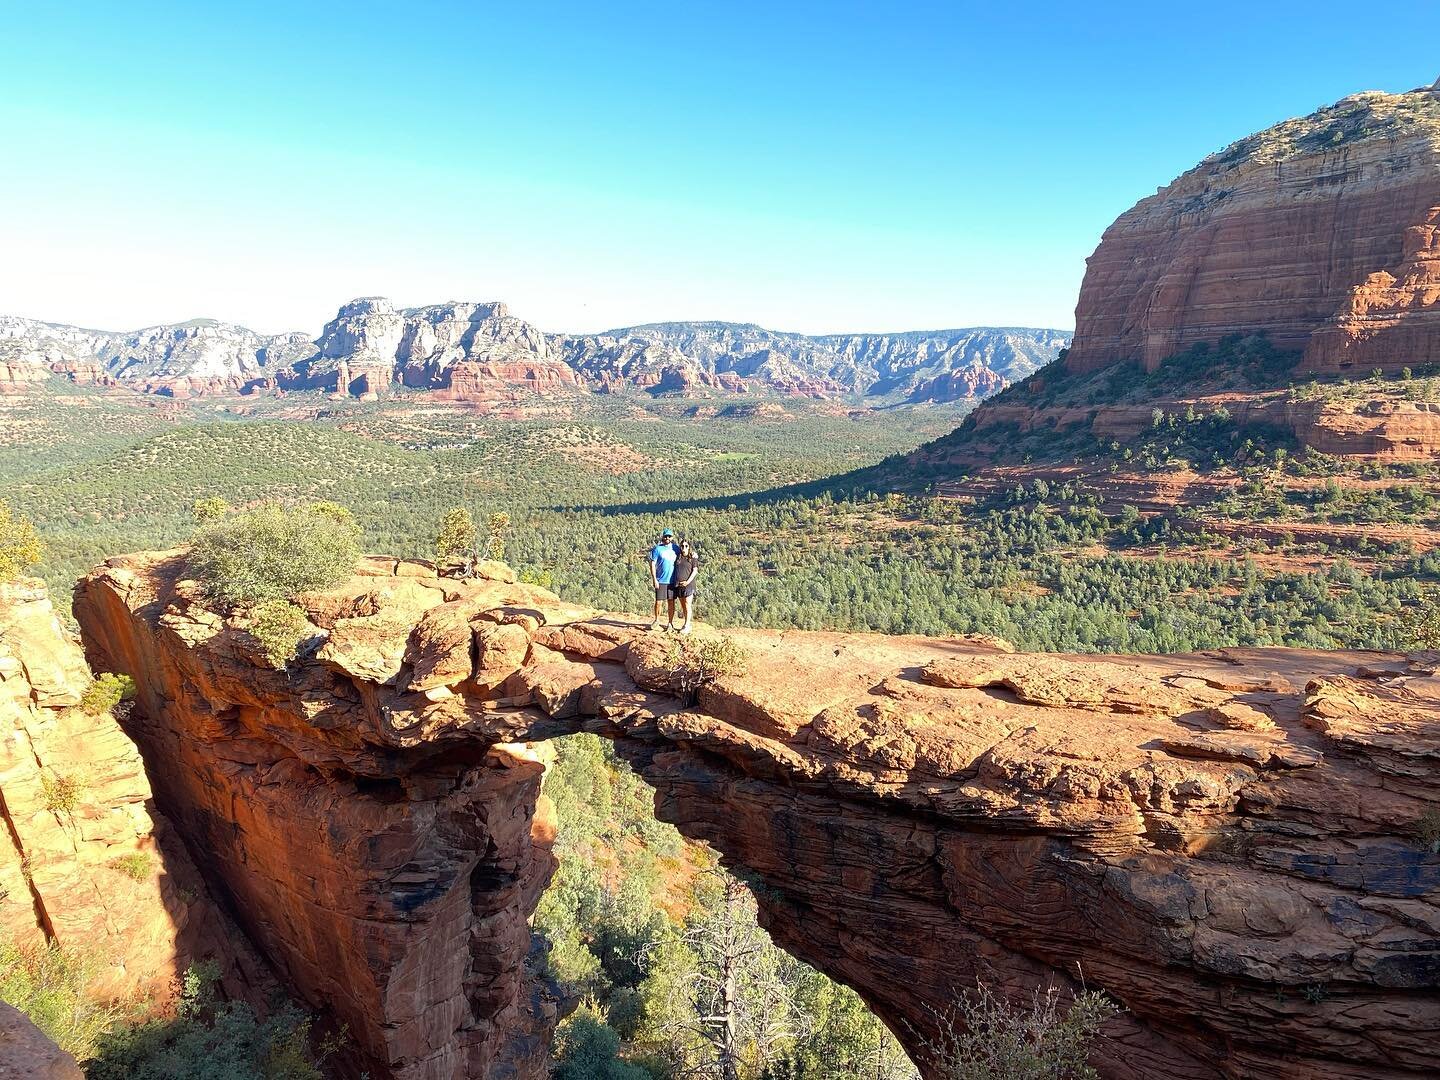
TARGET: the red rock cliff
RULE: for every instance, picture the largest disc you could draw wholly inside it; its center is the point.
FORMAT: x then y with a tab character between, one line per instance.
85	860
1319	232
1223	842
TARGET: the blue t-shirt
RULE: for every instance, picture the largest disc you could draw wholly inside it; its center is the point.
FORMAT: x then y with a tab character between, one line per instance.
662	558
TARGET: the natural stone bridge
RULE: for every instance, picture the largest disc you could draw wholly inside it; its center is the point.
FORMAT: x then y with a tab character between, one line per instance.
1226	843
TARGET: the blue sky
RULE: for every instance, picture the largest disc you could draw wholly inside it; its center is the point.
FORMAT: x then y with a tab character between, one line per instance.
816	167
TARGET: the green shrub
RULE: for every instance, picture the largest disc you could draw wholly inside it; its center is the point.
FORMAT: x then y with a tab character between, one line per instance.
210	1041
273	553
587	1048
1419	627
107	691
700	660
279	626
986	1038
209	509
47	983
20	545
136	866
62	793
543	578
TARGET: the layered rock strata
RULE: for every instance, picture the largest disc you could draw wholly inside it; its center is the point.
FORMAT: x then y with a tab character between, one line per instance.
1389	429
1318	232
1229	844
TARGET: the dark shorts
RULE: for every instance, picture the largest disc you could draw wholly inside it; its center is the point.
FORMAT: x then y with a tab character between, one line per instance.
662	592
677	591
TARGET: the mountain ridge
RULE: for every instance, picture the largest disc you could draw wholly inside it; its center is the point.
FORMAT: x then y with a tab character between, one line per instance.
475	351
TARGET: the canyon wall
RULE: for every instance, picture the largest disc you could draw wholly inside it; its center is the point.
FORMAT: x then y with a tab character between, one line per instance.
1229	843
86	860
1319	232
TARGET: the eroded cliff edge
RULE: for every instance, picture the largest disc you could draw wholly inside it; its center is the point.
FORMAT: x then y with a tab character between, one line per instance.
1225	842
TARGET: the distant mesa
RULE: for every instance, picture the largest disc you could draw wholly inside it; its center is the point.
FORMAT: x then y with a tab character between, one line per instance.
479	353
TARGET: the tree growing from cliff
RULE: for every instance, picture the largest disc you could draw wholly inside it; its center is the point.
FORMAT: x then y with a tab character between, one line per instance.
696	661
107	691
279	626
720	996
273	552
457	537
20	546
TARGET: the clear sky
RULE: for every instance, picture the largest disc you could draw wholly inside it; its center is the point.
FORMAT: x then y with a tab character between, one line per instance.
819	166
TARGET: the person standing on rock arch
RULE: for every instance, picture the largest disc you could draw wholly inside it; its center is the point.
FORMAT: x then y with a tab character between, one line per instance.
662	573
682	585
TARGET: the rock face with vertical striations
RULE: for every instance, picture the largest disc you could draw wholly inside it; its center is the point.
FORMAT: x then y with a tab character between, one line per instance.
1230	844
86	862
1319	232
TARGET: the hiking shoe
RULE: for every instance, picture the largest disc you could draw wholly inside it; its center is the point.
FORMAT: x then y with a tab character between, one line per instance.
684	629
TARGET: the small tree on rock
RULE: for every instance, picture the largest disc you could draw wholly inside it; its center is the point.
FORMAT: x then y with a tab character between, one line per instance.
457	537
496	528
20	546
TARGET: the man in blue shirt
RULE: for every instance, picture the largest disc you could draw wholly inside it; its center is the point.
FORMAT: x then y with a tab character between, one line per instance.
662	572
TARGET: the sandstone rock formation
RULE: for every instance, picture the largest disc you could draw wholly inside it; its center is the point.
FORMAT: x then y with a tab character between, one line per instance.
1318	231
85	860
1224	842
26	1054
1393	315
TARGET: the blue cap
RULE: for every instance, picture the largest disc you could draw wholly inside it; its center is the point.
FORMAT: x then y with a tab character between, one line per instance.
667	532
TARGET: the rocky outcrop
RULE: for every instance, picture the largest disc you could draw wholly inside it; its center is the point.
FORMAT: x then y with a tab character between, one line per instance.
1390	320
26	1054
451	346
1318	232
1227	843
85	860
1383	429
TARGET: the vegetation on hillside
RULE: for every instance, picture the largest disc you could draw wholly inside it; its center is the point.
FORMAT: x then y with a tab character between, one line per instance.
20	546
204	1039
790	535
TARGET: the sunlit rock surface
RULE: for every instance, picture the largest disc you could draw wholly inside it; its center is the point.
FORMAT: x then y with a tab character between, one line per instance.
1223	842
